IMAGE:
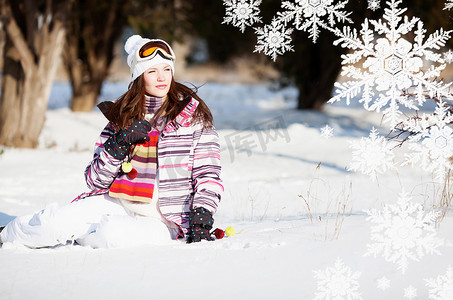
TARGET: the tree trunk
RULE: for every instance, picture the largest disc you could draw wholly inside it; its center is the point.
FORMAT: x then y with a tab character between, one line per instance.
27	78
313	68
94	27
317	89
85	97
87	78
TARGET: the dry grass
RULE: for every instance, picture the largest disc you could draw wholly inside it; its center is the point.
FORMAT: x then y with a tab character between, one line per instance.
446	197
331	231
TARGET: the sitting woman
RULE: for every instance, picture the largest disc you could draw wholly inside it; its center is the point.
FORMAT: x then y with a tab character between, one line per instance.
155	175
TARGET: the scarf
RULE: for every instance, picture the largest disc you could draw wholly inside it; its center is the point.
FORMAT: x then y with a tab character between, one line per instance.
144	161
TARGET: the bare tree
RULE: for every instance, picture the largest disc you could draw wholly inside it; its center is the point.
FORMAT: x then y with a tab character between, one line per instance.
34	40
94	28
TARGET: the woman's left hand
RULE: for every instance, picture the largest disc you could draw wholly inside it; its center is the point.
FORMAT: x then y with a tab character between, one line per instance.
200	223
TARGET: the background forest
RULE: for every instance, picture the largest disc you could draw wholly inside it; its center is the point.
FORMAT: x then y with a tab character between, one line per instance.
80	41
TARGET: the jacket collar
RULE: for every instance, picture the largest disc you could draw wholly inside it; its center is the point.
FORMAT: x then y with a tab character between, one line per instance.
184	118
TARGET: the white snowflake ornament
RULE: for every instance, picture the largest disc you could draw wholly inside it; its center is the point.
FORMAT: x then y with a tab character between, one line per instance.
242	13
403	232
327	131
420	126
410	292
312	15
432	149
448	56
448	4
374	4
274	39
384	65
372	155
383	283
440	143
441	288
430	141
337	283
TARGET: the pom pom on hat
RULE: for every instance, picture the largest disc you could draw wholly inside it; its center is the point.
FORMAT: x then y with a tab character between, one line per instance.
137	67
132	42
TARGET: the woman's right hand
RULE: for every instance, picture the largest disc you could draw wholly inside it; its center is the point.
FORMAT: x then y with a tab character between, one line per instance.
118	145
135	133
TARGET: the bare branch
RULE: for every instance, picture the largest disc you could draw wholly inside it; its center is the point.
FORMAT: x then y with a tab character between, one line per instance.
16	36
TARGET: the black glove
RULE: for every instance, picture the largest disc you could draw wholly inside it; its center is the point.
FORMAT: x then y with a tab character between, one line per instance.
119	144
200	223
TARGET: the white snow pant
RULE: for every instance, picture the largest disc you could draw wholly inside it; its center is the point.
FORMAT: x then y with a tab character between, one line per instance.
97	221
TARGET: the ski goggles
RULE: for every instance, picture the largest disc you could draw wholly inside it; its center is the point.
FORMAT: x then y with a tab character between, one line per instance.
153	47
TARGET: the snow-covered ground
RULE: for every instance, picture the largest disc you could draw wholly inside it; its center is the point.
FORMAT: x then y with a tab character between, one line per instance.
302	229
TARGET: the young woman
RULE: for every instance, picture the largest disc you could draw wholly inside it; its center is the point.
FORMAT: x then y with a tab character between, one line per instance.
155	174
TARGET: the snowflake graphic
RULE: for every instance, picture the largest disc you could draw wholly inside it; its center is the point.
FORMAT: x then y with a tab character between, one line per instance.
274	39
310	15
374	4
435	151
306	15
337	283
383	283
403	232
449	4
385	69
327	131
441	288
410	292
242	13
440	143
372	155
420	126
430	142
448	56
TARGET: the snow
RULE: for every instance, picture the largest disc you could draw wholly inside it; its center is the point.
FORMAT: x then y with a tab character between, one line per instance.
299	214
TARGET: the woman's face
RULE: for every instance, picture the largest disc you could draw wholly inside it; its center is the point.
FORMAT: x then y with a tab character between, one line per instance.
157	80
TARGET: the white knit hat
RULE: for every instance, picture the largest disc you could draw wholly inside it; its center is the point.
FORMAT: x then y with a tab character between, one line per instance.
137	64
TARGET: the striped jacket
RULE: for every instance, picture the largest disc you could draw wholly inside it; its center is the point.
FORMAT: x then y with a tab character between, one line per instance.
188	165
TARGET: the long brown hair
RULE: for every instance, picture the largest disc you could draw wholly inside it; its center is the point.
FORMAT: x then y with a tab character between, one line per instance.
130	106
